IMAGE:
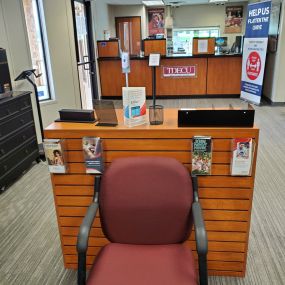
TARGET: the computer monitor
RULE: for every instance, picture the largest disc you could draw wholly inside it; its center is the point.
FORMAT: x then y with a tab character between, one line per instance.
221	42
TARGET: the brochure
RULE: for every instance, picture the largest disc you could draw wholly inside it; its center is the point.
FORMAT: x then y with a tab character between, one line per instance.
134	101
201	155
242	153
93	155
54	152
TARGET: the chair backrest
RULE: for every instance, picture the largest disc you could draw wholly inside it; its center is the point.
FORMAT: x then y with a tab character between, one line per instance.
146	200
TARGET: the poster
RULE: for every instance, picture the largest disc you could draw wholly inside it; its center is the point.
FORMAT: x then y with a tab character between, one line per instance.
254	51
156	21
233	20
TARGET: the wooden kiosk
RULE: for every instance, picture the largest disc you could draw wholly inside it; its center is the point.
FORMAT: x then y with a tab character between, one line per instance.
226	200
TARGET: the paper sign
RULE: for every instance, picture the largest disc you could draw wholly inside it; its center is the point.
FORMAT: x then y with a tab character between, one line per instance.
154	59
202	46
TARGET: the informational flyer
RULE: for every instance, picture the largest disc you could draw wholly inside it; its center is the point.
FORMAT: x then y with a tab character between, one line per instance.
54	152
134	104
202	46
254	51
241	157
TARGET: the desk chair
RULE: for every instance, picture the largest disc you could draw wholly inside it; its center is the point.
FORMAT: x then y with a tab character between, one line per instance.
145	210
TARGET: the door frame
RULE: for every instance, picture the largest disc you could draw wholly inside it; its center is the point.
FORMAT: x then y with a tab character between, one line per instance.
91	46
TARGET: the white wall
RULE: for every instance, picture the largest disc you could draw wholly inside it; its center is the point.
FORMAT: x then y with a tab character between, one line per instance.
278	83
206	16
125	11
13	38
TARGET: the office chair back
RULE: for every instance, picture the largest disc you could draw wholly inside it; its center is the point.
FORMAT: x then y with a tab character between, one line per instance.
146	200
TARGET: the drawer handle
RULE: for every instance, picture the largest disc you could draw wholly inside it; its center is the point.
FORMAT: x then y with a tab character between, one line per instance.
24	137
22	121
26	151
2	151
5	167
8	111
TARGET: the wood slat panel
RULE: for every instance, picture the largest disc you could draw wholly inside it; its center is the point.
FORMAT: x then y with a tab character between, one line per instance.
76	222
73	231
209	215
224	193
217	169
74	191
182	156
210	272
149	144
220	246
212	264
224	236
221	204
226	226
211	204
70	240
204	181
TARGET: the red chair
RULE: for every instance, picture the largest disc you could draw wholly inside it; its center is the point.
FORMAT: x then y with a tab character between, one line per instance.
145	209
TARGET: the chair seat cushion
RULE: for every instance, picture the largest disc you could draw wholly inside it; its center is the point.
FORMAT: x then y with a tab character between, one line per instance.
123	264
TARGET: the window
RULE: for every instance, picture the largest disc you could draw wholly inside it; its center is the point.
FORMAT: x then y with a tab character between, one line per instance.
38	46
183	38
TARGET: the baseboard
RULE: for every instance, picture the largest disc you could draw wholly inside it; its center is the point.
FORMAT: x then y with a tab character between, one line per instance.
269	101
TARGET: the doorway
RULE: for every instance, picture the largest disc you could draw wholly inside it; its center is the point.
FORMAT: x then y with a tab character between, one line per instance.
85	52
128	30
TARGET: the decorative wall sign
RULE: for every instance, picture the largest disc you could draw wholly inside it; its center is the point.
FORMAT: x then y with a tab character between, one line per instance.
156	21
179	71
233	20
254	50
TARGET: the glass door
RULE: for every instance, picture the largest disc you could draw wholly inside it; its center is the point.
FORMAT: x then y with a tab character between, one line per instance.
85	52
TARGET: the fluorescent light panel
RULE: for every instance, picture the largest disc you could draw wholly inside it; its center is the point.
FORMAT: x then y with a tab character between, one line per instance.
153	3
218	1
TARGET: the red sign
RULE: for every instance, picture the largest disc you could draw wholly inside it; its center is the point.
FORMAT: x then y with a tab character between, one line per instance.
179	71
253	65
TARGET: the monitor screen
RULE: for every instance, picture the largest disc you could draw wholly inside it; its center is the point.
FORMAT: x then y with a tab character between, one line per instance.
221	42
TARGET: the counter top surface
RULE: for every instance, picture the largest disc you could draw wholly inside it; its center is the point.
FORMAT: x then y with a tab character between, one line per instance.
170	123
177	56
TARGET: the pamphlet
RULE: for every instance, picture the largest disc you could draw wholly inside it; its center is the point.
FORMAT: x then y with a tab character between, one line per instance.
201	155
93	154
134	101
54	152
242	152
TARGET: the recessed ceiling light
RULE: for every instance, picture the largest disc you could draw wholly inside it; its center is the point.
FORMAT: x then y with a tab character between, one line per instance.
153	3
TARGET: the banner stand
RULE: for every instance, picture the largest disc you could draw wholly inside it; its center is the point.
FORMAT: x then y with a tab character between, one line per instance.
254	51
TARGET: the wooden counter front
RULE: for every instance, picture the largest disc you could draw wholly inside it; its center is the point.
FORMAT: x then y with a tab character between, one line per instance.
215	75
226	200
224	76
182	85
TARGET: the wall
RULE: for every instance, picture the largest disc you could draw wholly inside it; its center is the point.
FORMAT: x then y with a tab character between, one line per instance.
13	38
206	16
278	94
128	10
184	17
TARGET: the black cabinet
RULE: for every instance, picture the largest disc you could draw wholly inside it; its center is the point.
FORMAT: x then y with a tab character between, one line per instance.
18	139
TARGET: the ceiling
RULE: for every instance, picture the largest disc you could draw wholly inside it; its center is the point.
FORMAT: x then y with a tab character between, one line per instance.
181	2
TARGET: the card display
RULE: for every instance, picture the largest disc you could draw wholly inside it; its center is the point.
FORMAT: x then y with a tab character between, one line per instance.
55	155
242	153
93	155
201	155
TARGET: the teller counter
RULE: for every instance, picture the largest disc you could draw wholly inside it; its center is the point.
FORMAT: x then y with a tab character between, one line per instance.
178	76
226	200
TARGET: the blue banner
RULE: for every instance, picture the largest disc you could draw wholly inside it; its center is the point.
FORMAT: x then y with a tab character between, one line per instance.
254	51
258	19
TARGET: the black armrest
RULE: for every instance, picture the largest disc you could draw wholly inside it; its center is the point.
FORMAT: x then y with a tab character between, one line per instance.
82	241
195	187
201	242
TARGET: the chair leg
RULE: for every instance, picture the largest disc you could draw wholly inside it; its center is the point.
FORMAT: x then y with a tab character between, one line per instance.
81	274
203	270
